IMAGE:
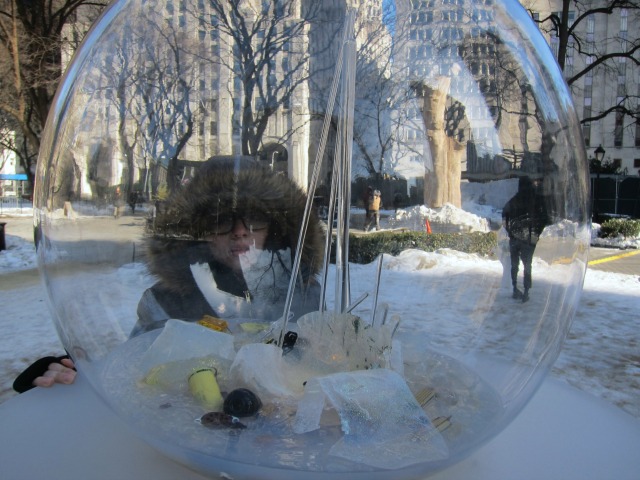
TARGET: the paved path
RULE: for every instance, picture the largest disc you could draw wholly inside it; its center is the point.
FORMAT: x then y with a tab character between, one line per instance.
615	260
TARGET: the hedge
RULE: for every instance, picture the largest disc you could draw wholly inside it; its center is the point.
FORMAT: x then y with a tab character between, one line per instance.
620	227
366	248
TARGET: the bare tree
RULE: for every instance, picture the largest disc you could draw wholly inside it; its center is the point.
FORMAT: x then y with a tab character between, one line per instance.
269	60
572	27
146	76
383	100
32	39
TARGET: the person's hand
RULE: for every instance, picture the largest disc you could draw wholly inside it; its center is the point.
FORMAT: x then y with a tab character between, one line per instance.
62	372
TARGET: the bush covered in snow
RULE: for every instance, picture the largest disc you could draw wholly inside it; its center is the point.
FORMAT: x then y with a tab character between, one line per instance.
622	227
366	248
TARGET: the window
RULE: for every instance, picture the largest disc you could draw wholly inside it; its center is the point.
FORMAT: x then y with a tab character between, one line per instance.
586	133
624	14
235	119
618	130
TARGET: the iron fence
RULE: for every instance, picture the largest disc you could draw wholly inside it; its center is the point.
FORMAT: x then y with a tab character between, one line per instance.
615	195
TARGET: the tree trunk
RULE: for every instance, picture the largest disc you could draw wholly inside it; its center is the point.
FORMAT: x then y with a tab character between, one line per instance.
442	182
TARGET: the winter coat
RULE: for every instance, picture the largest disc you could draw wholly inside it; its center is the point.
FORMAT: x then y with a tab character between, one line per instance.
525	215
191	283
375	202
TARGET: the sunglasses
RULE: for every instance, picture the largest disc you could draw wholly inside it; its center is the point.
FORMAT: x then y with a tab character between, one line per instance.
224	224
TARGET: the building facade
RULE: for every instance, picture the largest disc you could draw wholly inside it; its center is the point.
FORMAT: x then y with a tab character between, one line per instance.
617	82
200	79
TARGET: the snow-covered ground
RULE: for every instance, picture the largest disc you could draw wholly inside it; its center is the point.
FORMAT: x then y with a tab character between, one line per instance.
600	355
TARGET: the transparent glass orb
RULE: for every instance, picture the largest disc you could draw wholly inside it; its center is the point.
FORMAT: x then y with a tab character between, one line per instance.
221	272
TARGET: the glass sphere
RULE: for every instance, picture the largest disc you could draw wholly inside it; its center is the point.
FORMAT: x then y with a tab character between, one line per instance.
296	237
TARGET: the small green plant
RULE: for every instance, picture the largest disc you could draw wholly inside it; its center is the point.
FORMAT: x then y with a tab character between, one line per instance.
624	227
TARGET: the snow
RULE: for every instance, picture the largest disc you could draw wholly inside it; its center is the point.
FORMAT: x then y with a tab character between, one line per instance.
599	357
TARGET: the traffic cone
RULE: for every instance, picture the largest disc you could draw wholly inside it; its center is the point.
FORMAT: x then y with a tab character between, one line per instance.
427	225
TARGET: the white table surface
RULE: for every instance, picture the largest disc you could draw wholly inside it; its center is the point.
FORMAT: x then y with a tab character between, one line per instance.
66	432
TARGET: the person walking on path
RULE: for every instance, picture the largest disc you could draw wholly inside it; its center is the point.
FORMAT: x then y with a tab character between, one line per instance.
373	211
524	217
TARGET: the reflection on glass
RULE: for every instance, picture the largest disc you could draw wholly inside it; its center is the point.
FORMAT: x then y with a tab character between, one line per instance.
223	161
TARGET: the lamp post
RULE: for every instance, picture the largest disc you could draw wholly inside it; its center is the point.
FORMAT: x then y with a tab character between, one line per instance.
599	154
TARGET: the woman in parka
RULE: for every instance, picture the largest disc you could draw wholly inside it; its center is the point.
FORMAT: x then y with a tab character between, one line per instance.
224	246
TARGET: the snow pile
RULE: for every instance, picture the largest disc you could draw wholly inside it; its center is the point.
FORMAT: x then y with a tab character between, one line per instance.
446	215
19	255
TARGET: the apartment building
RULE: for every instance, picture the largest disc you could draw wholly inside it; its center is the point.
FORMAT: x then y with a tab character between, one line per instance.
605	86
200	80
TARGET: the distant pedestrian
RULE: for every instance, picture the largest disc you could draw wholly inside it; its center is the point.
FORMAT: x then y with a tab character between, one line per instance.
397	201
524	218
133	201
118	203
373	211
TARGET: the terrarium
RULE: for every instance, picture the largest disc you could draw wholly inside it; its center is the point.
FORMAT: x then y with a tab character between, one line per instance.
330	239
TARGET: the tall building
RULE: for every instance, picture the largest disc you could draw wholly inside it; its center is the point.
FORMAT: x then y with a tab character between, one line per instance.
180	81
442	35
456	41
199	79
607	85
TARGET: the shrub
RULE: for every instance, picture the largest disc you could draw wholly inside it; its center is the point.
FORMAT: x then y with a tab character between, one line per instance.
620	227
365	248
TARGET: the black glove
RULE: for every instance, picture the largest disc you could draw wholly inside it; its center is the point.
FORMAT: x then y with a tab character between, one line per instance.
37	369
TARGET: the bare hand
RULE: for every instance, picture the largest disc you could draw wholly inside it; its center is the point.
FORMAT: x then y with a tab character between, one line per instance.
62	372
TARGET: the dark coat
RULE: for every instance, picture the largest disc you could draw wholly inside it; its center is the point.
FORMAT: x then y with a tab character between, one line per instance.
526	215
178	241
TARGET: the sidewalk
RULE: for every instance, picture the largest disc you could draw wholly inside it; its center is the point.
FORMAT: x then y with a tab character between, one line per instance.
615	260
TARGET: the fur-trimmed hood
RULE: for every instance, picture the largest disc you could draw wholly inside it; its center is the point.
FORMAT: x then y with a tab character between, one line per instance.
224	187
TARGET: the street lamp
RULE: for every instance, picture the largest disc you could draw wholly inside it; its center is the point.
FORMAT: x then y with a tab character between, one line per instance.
599	153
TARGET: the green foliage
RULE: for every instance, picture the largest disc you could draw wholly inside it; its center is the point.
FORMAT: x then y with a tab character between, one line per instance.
365	248
620	227
603	166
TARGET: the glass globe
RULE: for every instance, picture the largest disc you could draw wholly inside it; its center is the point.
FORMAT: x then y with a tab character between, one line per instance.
303	238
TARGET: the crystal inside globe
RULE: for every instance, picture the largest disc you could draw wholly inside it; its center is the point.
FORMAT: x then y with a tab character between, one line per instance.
298	238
